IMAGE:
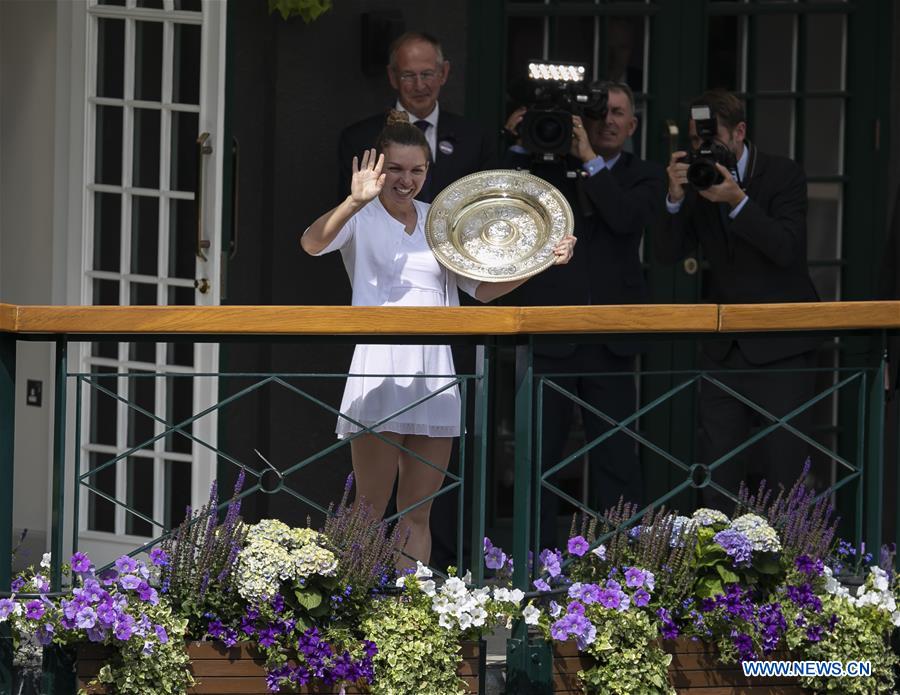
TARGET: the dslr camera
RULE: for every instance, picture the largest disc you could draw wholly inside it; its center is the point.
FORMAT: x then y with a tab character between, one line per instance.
702	172
552	94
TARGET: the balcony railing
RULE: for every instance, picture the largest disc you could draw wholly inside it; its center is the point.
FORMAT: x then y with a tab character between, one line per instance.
488	328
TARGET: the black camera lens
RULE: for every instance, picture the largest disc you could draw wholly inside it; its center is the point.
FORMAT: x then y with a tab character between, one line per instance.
702	174
546	131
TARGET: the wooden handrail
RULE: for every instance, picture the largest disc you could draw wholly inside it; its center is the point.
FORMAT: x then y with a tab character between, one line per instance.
345	320
810	316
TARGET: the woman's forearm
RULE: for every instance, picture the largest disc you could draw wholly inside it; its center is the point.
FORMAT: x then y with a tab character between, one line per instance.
323	231
489	291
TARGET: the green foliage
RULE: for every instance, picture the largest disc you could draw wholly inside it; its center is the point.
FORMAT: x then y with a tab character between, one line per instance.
415	654
861	633
629	660
307	10
166	672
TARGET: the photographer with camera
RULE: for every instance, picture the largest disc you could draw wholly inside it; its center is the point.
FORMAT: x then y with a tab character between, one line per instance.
574	140
746	211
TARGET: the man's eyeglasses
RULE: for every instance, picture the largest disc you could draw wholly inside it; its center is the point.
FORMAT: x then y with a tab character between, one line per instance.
411	77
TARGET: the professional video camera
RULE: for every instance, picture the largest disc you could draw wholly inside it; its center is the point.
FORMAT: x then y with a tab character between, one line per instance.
702	172
553	93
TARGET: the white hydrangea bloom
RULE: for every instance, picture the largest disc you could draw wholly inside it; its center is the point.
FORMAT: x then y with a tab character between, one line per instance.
276	553
757	530
709	517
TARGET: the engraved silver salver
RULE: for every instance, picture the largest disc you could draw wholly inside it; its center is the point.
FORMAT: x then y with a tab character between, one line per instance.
498	225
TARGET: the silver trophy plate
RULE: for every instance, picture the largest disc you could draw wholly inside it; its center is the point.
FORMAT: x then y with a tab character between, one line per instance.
497	225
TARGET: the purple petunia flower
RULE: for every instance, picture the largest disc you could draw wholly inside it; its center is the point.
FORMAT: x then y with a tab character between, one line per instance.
44	634
641	598
494	558
634	577
16	585
96	634
578	546
541	585
126	565
161	634
80	563
159	557
550	560
147	593
610	598
809	566
669	628
124	628
8	607
86	618
34	610
744	646
129	581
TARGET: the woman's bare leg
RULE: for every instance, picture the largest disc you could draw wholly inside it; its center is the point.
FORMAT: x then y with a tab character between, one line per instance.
375	466
416	482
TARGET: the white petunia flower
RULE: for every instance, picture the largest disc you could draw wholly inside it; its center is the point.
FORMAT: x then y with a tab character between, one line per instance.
531	614
45	560
422	570
428	587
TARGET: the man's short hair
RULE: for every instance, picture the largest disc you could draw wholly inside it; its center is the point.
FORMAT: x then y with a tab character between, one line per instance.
621	87
727	107
414	36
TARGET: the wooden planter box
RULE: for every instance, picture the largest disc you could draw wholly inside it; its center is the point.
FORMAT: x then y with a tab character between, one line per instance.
695	670
240	670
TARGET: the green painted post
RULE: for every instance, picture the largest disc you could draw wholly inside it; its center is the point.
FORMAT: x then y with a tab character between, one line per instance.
57	511
484	362
874	465
58	672
7	467
528	668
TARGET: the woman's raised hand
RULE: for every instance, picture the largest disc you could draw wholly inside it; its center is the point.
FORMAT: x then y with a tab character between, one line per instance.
367	180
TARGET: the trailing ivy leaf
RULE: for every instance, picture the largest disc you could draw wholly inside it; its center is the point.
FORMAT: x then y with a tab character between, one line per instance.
307	10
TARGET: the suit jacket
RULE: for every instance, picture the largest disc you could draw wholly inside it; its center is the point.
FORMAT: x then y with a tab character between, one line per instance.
469	151
611	210
758	257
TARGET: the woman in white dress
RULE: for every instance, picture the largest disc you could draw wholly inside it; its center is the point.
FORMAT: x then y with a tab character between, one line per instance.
379	230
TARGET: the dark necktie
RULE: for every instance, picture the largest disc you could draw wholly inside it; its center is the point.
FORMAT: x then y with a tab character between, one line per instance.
425	193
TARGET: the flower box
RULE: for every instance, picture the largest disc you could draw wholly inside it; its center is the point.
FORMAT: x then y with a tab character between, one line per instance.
695	670
240	670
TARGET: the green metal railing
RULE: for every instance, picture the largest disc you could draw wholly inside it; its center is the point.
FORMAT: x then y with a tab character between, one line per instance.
528	659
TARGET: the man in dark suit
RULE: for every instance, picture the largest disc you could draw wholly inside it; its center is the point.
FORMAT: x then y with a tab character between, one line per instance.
614	195
417	71
751	229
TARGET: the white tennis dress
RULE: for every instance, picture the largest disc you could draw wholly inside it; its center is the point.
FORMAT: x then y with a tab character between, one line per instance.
388	267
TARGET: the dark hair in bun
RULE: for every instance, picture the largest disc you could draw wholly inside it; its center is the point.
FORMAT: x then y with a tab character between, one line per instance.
399	131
